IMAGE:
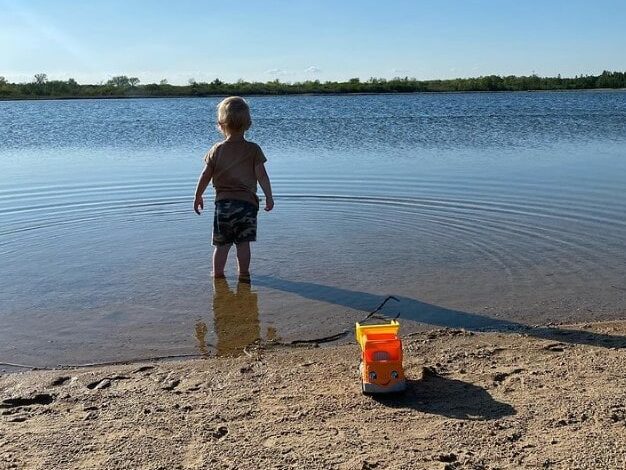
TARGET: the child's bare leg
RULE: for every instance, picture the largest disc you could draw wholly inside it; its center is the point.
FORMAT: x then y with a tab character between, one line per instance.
220	255
243	259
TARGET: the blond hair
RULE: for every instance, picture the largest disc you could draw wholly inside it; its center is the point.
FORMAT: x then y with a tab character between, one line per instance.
233	115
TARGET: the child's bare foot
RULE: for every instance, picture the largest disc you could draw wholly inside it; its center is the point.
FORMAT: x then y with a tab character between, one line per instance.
218	275
244	277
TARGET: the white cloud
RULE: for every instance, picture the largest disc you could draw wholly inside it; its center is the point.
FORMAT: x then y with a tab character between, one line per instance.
278	72
312	69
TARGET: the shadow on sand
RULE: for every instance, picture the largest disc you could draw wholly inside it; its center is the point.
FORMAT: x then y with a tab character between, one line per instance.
452	398
422	312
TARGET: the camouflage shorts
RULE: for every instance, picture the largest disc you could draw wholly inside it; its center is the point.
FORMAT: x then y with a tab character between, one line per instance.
234	222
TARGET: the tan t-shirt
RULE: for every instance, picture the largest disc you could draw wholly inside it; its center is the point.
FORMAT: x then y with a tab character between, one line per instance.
233	164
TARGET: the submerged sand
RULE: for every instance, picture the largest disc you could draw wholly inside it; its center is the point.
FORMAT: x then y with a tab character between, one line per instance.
474	401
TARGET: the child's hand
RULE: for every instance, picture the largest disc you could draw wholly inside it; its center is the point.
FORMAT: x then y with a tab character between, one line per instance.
198	205
269	203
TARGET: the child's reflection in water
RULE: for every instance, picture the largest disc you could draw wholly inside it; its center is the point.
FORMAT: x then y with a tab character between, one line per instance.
236	316
201	331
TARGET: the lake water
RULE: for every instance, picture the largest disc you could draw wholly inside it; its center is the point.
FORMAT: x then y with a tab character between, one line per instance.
476	210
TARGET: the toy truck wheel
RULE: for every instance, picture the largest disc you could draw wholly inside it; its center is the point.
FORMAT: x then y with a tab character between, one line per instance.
361	376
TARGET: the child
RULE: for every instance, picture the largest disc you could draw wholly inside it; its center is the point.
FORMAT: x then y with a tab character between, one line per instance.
235	165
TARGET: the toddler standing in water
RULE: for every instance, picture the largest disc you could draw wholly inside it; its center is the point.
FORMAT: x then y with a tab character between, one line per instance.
235	165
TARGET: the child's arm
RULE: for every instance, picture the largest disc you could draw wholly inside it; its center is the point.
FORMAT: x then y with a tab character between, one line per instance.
203	182
266	186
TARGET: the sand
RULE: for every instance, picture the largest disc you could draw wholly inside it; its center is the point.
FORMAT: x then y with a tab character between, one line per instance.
474	401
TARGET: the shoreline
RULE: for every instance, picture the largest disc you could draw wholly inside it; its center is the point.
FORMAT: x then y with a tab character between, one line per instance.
256	95
475	400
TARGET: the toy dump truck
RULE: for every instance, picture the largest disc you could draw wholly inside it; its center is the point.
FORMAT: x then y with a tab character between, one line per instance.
381	358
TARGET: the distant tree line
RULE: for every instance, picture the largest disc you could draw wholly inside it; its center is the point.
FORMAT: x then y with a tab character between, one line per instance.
128	87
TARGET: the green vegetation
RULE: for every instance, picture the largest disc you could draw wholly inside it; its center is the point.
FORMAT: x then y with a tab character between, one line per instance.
128	87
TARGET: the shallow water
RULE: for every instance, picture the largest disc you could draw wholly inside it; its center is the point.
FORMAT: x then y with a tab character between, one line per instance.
476	210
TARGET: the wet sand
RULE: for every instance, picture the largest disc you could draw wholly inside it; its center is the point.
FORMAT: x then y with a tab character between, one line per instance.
540	398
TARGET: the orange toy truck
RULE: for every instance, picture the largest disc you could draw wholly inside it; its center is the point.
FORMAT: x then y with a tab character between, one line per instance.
381	358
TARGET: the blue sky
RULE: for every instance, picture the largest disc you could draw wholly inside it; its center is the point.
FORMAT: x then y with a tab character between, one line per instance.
298	39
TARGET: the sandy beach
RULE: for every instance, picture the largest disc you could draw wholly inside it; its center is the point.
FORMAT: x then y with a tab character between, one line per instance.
474	401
